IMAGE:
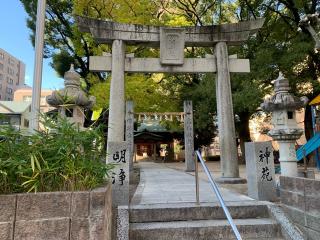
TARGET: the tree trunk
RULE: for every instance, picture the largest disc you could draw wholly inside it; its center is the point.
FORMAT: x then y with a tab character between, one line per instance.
244	132
308	129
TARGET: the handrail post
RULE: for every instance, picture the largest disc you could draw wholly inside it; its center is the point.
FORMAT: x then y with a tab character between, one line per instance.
305	163
219	196
197	179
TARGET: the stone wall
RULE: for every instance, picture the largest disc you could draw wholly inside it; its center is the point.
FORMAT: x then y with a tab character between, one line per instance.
300	198
57	215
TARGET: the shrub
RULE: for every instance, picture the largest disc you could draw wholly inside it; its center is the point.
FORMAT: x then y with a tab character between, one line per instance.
60	158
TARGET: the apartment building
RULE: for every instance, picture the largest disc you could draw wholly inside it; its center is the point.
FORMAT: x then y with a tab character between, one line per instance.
12	74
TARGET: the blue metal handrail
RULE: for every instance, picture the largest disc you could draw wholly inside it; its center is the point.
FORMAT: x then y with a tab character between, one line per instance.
218	194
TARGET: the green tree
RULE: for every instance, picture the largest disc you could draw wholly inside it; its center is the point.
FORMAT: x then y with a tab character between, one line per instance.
278	46
203	98
65	44
281	47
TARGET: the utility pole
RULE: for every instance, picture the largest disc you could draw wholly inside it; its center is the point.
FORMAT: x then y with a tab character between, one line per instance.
37	75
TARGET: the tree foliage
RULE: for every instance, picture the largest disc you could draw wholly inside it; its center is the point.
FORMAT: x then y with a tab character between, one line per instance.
278	46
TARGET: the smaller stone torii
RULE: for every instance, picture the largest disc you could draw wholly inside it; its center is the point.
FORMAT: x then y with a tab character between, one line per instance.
186	117
172	42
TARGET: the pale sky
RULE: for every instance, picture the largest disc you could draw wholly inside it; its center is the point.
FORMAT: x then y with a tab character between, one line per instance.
14	38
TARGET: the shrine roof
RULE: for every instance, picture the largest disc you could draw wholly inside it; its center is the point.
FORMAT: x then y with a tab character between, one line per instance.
13	107
147	136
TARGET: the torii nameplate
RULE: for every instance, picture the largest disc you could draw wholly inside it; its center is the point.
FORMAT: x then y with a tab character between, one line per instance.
171	46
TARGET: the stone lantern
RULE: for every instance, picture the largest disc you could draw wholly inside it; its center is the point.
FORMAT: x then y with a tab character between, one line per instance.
283	106
71	100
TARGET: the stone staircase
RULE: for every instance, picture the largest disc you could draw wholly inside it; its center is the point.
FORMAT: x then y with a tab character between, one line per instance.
187	221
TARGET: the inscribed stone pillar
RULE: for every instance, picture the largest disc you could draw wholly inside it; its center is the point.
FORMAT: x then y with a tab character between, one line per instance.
117	100
118	154
260	171
227	137
188	136
129	131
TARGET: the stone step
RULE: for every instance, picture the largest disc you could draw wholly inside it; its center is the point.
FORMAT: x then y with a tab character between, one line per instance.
191	211
263	228
265	238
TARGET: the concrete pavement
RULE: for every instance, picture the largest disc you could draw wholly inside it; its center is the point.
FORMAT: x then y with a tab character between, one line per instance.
160	184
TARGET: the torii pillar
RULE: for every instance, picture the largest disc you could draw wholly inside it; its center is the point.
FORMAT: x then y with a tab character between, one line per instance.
227	136
117	94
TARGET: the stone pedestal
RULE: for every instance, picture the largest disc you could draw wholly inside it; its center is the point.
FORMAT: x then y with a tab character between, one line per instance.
129	131
288	158
188	136
117	100
227	137
123	223
118	153
260	171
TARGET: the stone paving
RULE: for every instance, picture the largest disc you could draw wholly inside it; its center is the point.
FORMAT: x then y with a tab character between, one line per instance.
161	184
214	167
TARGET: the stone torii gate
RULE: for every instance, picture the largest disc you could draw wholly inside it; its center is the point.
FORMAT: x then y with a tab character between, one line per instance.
185	117
172	41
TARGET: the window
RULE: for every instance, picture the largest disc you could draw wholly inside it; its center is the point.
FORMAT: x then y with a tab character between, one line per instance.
26	123
10	81
1	66
69	112
9	90
5	120
11	61
290	115
10	71
1	76
1	55
27	98
0	86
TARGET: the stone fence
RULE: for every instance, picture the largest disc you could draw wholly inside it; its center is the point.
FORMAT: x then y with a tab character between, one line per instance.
57	215
300	198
